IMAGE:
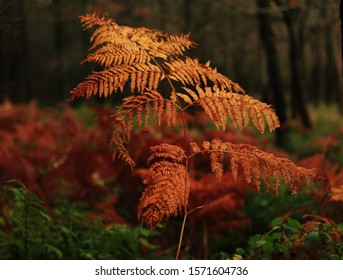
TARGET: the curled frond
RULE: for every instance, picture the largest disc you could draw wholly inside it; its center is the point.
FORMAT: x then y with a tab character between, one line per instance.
219	105
256	165
166	193
166	151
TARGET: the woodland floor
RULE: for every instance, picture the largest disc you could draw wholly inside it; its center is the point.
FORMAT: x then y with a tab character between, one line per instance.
63	196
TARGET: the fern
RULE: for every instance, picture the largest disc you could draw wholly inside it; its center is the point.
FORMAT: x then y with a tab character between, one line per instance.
27	215
141	60
256	165
30	230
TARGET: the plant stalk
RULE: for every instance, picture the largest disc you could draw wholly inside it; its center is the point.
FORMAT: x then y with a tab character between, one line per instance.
183	229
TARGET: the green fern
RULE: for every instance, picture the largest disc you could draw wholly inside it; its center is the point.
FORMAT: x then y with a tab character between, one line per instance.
29	230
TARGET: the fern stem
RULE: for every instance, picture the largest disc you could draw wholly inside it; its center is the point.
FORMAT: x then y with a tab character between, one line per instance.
185	136
183	229
181	236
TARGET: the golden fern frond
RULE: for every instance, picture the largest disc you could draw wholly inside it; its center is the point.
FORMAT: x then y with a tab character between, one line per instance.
126	53
110	33
153	42
166	193
256	165
166	151
111	55
120	152
190	71
170	45
150	105
219	105
216	158
90	20
105	82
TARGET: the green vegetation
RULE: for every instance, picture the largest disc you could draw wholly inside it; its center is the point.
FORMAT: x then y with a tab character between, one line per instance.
31	231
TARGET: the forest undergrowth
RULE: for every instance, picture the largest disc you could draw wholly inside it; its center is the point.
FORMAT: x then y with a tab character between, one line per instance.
178	158
58	204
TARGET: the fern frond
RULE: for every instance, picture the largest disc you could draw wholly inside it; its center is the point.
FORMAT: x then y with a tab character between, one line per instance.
216	158
170	45
120	152
219	105
126	53
190	71
91	20
150	105
166	193
256	165
110	36
111	55
166	151
105	82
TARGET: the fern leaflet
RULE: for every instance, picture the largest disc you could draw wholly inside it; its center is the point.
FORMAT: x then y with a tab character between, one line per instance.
219	105
256	165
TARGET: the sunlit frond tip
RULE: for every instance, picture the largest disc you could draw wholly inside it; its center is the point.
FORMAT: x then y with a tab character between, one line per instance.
219	105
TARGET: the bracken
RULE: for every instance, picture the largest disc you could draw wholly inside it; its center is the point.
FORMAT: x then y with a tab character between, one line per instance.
139	60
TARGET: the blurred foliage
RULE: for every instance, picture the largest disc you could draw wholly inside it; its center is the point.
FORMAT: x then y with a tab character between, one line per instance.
317	238
31	231
63	197
326	137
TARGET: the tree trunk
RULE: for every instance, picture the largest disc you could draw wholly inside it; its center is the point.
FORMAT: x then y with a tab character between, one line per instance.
23	52
341	93
60	89
341	18
187	15
275	80
15	49
298	93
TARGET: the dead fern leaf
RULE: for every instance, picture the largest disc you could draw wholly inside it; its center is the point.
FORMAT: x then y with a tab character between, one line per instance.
190	71
139	59
167	152
167	183
256	166
91	20
150	106
126	53
111	55
110	80
166	193
219	105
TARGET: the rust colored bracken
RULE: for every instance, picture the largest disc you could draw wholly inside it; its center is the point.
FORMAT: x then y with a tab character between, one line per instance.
138	61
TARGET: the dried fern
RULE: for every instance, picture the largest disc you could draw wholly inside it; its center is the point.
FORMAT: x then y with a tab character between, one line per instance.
219	104
256	165
140	60
142	108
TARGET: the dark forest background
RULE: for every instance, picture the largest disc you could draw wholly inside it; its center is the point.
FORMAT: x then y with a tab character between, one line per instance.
285	52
